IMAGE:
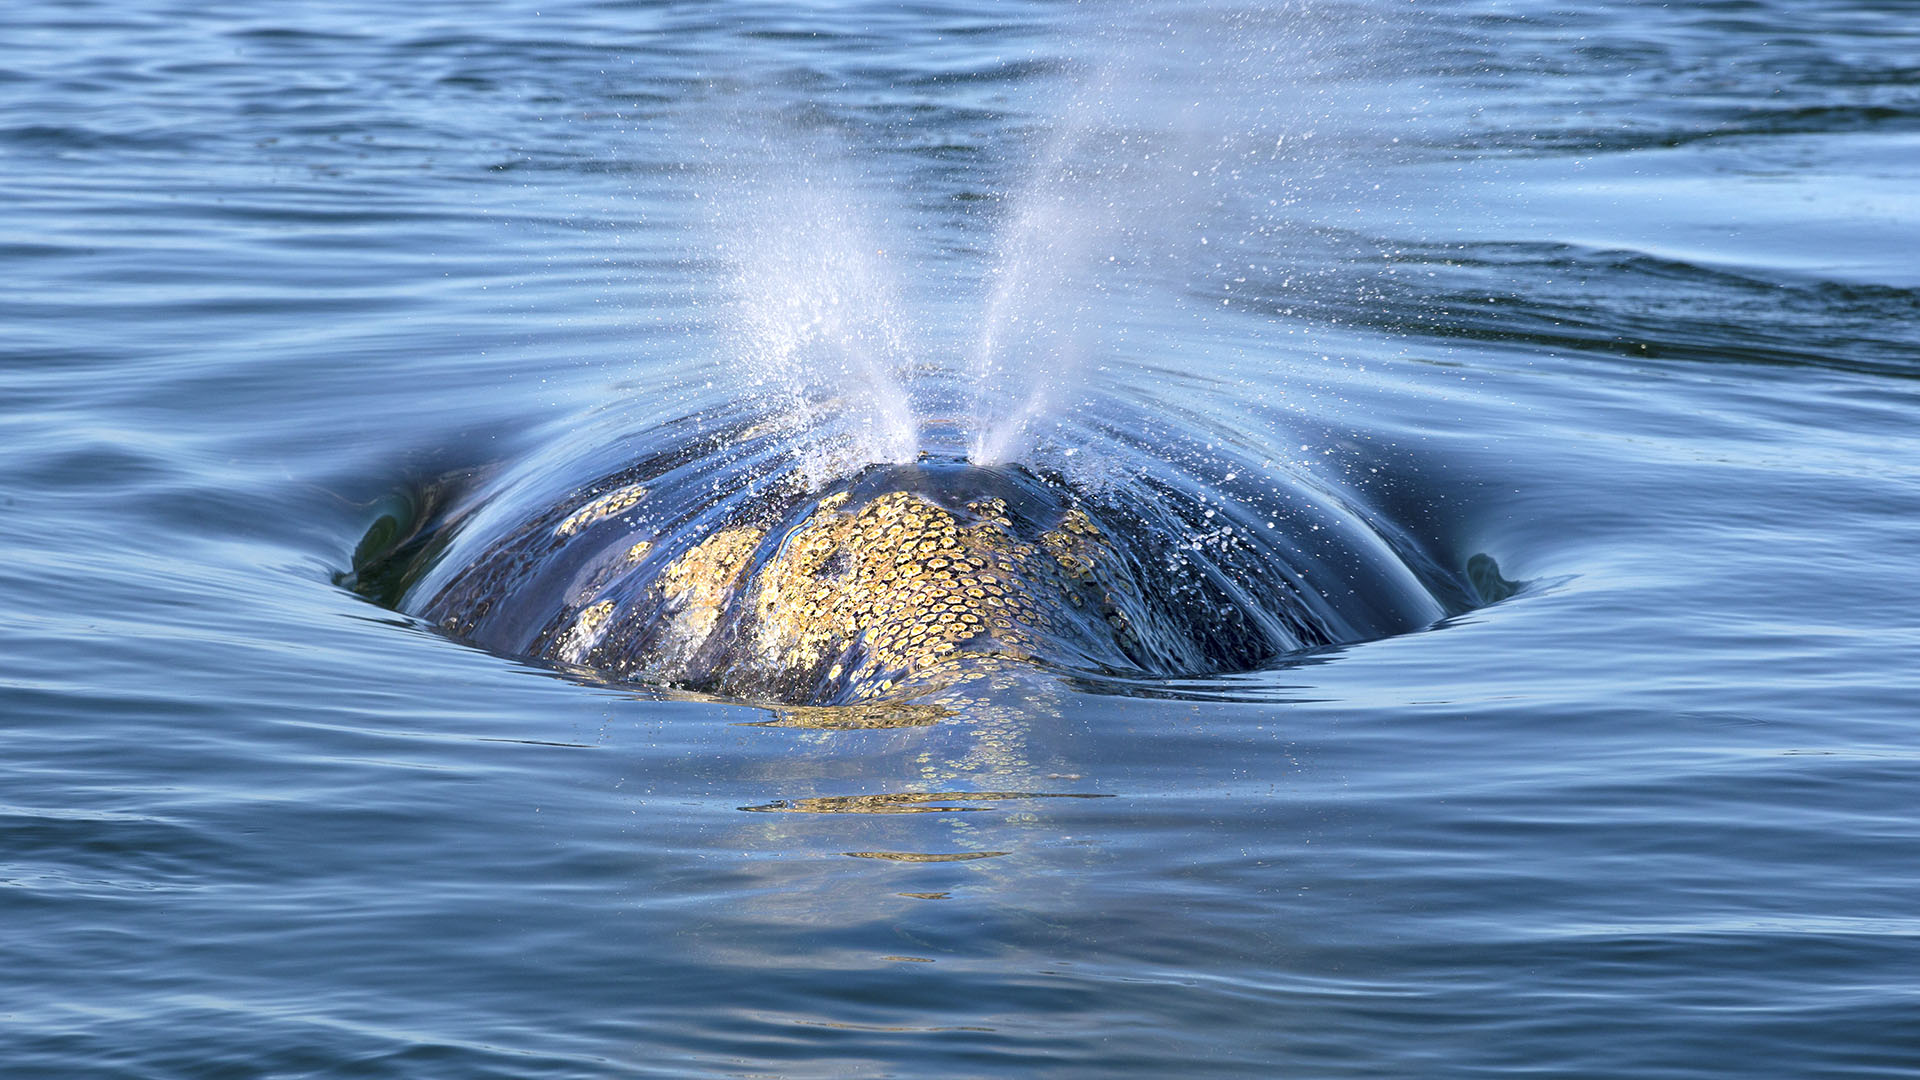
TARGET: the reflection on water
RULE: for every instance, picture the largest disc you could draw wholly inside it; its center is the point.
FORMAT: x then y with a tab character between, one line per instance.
912	802
848	717
926	857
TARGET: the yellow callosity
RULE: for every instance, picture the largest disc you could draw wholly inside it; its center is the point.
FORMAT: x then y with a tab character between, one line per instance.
580	638
700	582
899	590
855	603
613	502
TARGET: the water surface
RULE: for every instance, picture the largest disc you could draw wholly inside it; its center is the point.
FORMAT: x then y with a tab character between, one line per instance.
1623	297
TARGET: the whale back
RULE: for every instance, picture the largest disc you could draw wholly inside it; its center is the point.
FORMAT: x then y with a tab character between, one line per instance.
892	581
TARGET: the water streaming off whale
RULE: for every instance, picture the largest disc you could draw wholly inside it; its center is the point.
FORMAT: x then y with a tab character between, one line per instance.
716	565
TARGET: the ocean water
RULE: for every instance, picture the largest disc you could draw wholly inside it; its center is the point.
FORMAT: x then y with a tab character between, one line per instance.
1624	296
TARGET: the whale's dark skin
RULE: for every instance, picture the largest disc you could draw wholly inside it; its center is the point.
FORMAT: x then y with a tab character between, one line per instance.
895	583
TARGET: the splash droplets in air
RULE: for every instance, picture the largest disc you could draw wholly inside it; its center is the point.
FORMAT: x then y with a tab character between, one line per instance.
1175	136
821	327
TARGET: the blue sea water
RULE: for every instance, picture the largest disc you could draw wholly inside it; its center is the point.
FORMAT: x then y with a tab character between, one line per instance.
1623	295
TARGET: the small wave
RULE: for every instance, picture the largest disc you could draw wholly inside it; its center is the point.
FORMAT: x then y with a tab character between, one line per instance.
72	137
1623	303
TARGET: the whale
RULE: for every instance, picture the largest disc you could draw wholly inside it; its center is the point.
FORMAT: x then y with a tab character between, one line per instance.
718	573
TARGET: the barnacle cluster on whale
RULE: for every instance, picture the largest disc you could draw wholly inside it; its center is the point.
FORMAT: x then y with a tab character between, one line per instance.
890	583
